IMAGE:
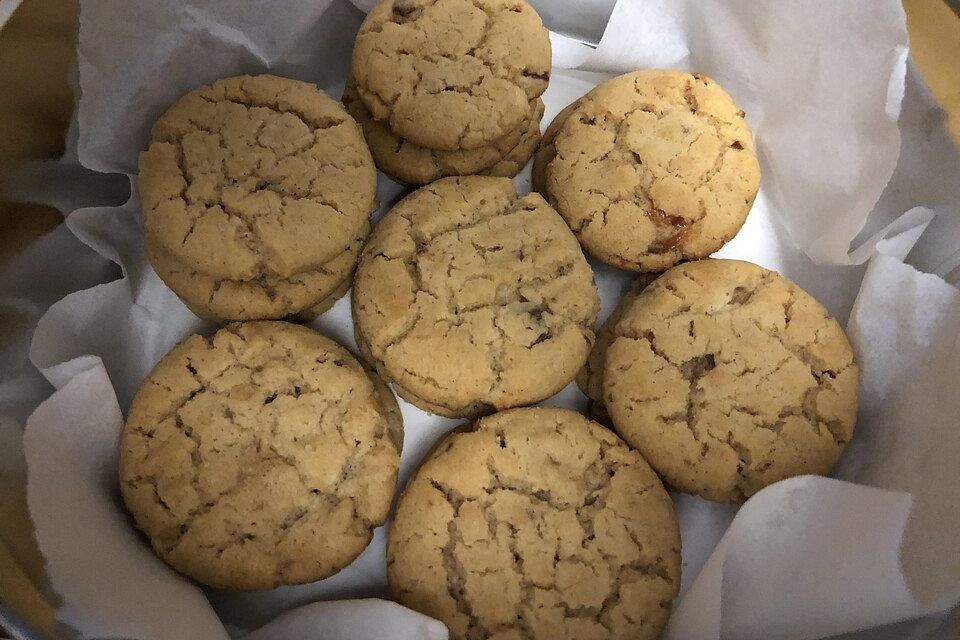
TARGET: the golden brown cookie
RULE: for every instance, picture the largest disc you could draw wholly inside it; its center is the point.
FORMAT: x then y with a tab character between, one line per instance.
727	378
537	524
471	299
412	164
261	185
653	168
590	377
451	74
262	456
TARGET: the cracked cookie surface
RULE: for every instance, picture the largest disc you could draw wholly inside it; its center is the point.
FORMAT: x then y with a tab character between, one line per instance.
537	524
590	377
260	457
727	378
451	74
471	299
261	185
410	163
214	299
547	150
652	168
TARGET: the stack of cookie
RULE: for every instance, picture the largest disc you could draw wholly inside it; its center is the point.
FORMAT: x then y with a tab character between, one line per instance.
450	87
257	194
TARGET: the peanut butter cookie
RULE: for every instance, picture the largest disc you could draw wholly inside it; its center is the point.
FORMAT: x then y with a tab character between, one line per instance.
263	188
728	378
471	299
263	456
652	168
537	524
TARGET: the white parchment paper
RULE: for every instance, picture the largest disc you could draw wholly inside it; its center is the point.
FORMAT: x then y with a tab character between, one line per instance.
806	558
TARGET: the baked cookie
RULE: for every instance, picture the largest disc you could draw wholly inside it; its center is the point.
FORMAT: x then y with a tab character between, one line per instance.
728	378
471	299
537	524
412	164
263	456
451	74
261	185
590	377
653	168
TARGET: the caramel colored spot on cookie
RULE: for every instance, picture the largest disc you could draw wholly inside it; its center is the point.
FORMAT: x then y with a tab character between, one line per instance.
405	11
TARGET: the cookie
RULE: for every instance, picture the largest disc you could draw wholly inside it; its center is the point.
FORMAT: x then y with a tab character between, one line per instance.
590	377
471	299
727	378
262	184
412	164
451	74
263	456
547	150
537	524
653	168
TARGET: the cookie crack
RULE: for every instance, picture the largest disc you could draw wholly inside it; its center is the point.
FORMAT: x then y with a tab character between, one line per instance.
510	208
409	18
597	481
456	572
311	123
269	283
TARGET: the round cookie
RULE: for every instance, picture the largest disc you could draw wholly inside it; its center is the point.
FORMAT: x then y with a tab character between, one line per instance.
263	456
728	378
537	524
451	74
590	377
258	183
412	164
653	168
471	299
